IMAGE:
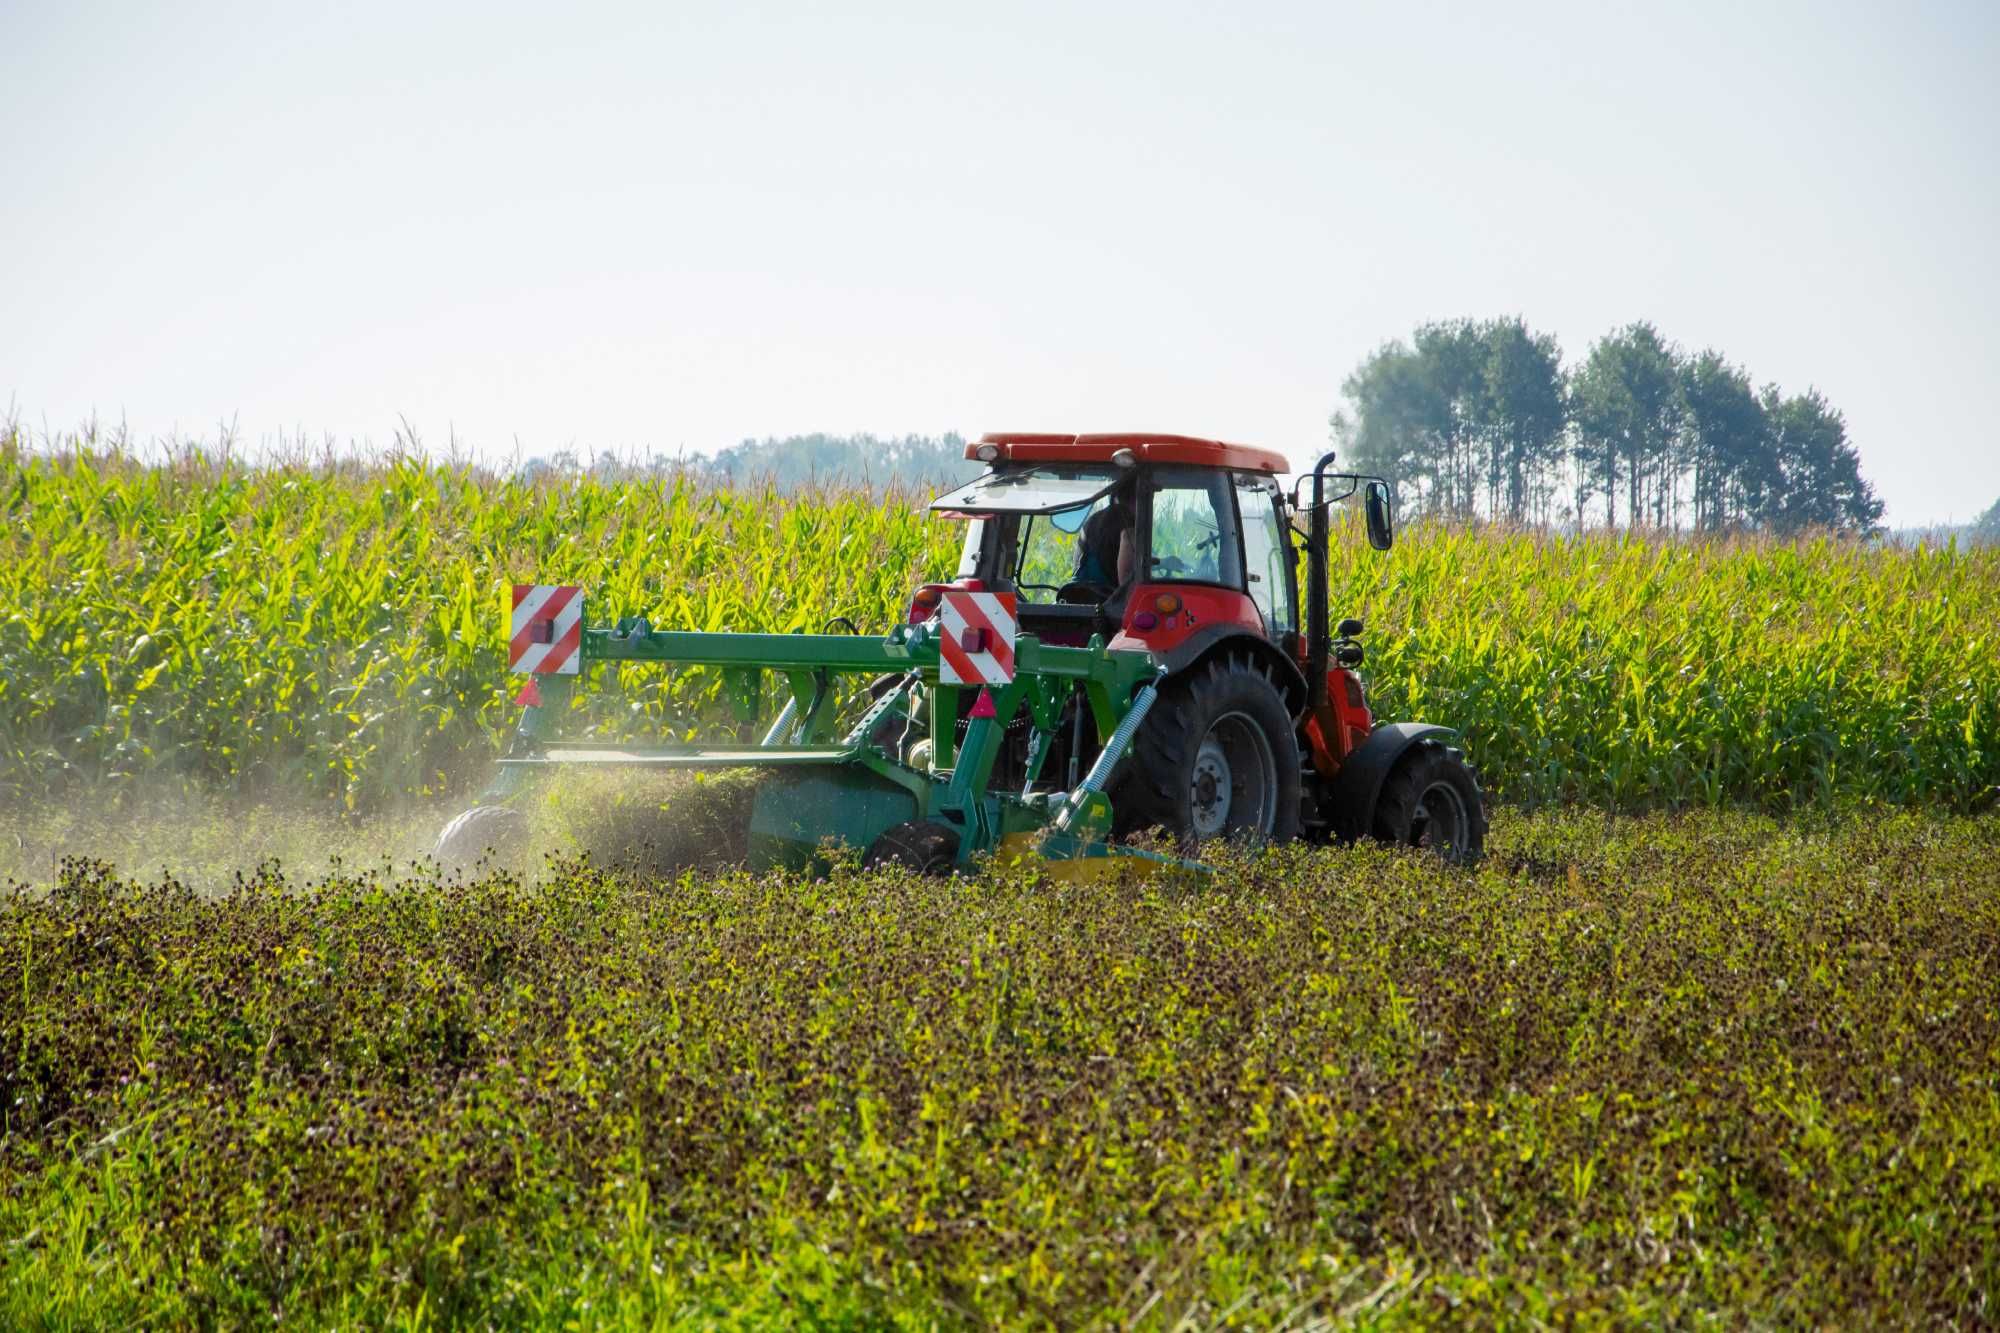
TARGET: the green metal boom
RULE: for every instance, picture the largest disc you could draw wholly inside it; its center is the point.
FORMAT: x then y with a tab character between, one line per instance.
849	786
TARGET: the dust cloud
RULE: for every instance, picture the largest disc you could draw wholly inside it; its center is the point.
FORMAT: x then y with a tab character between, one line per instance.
657	823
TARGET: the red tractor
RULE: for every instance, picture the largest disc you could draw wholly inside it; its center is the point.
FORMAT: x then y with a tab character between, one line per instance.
1186	549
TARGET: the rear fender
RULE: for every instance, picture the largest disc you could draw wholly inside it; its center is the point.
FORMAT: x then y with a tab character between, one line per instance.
1358	785
1212	640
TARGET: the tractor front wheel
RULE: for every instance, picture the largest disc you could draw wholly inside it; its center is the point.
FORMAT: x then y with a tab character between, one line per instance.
1216	758
1431	799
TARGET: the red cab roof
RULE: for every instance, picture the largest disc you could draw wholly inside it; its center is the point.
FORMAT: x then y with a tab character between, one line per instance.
1029	447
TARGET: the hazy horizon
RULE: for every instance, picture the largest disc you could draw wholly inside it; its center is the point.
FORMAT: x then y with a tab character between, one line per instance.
664	230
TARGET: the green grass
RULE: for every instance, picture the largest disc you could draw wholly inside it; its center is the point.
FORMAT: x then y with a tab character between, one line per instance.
333	636
1708	1070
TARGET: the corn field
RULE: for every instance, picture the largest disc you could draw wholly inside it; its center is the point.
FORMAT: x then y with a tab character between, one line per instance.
336	633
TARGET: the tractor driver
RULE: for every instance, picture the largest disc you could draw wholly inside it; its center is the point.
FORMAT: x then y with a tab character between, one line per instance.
1105	558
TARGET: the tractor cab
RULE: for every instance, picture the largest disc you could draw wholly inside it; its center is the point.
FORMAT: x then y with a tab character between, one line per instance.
1145	540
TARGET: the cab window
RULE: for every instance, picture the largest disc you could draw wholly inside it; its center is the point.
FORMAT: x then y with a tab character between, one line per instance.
1267	552
1052	549
1192	536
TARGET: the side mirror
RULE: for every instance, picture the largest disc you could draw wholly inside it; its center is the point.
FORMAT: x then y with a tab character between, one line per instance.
1381	528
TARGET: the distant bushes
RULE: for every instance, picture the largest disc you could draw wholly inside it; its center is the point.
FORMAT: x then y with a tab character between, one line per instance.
789	462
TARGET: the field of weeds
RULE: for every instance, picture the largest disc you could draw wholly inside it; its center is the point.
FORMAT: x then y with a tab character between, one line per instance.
1708	1070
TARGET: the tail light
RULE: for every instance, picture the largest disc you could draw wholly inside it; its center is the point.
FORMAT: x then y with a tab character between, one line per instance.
925	604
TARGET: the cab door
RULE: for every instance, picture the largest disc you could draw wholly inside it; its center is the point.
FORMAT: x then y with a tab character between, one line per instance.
1270	566
1191	532
1190	575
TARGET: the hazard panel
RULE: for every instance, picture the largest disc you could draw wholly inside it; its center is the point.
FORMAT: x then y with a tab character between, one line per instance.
547	634
976	642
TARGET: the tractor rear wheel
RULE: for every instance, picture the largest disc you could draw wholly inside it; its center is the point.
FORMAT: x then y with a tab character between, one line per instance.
485	832
921	845
1431	799
1216	758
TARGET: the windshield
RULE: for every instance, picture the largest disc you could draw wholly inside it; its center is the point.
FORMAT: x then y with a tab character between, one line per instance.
1051	550
1032	490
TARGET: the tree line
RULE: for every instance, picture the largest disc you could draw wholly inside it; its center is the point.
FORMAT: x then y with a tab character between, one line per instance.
790	462
1986	528
1480	418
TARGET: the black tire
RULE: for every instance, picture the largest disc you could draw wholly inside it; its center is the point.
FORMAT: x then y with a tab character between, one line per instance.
1431	799
483	833
922	845
1223	710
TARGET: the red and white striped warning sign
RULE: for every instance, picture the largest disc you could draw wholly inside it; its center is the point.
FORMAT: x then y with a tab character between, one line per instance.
976	646
547	637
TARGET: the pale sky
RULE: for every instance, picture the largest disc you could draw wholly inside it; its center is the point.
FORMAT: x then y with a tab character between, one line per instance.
666	226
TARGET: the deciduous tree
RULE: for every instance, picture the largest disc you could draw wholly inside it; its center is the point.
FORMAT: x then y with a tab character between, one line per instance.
1726	443
1522	413
1627	405
1820	481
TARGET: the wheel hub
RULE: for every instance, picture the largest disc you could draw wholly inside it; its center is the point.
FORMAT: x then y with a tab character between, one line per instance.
1232	787
1209	793
1439	822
